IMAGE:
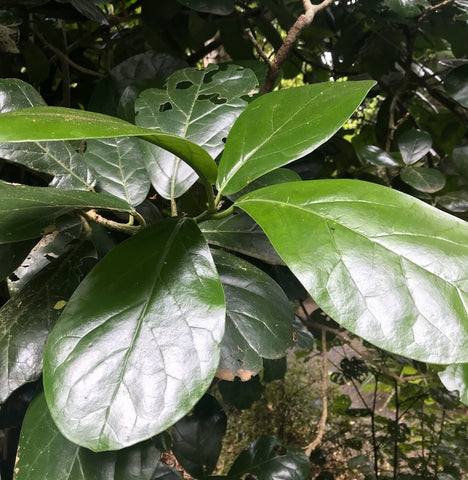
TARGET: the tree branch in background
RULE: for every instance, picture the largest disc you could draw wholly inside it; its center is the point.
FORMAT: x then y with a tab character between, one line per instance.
294	33
62	56
324	389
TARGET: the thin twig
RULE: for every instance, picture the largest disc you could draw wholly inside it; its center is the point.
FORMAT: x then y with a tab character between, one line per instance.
65	57
257	47
433	8
324	388
294	33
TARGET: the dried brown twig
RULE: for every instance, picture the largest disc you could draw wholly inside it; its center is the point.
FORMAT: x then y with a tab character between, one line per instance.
304	20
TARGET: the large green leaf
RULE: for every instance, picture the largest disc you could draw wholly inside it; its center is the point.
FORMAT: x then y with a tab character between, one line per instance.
119	165
240	234
282	126
138	343
27	319
382	264
259	318
44	453
58	159
199	105
455	377
28	212
264	460
56	123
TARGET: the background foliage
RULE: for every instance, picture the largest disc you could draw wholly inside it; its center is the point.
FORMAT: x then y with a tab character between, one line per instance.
389	417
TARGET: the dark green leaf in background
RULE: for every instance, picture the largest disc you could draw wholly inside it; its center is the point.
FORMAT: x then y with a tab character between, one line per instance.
199	105
159	294
258	318
456	202
120	169
455	377
376	156
460	158
265	460
241	394
240	234
429	180
44	453
413	145
283	126
456	84
398	281
197	438
30	212
28	317
406	8
217	7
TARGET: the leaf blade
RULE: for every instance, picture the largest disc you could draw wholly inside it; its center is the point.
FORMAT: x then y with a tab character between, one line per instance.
395	282
282	126
176	294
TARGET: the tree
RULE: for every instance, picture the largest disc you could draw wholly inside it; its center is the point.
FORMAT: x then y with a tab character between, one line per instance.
155	222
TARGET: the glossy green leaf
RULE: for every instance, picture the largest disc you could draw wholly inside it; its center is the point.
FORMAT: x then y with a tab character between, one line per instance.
56	123
120	169
456	202
44	453
29	212
376	156
406	8
256	326
398	281
283	126
197	438
199	105
429	180
159	294
217	7
455	377
240	234
58	159
413	145
27	319
263	460
456	84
